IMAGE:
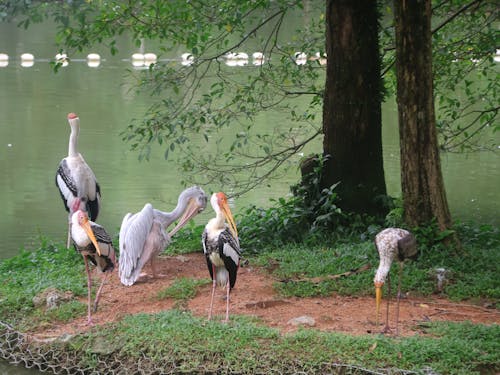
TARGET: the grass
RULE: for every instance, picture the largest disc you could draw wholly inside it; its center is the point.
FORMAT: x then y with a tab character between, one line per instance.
31	272
182	289
245	346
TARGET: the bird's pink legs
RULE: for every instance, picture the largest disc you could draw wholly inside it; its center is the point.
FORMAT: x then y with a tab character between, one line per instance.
214	285
227	302
398	297
89	290
387	329
98	295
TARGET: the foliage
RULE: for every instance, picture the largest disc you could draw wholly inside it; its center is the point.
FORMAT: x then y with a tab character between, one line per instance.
187	240
197	103
31	272
466	82
244	346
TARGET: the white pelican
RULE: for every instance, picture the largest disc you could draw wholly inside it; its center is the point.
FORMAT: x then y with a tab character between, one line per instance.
75	179
222	248
143	235
92	241
392	243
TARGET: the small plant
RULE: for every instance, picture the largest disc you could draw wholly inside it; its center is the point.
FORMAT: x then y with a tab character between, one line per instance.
182	289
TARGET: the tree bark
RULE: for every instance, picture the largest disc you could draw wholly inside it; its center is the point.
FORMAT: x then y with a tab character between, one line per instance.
422	183
352	106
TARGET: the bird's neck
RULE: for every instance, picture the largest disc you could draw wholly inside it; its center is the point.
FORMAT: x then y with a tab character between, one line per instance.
216	225
382	270
73	141
167	218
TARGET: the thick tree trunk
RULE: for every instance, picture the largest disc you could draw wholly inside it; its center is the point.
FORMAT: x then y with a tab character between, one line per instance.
422	184
352	106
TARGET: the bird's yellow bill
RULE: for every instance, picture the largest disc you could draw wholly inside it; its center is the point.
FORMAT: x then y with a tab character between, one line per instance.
88	229
378	298
229	217
191	210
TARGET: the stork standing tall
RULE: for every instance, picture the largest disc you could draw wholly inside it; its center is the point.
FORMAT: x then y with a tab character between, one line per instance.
94	243
222	248
75	179
143	235
392	243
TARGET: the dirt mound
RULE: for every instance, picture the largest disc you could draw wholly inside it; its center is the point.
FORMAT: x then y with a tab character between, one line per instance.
254	295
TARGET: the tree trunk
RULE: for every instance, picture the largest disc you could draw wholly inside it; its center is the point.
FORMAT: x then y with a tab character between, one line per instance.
422	184
352	106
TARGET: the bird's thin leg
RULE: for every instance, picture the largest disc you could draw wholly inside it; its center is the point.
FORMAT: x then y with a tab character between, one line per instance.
227	302
387	328
68	242
89	290
398	297
98	295
214	284
153	266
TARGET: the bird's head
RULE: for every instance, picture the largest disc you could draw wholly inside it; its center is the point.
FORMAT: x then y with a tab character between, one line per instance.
81	218
196	203
220	200
74	121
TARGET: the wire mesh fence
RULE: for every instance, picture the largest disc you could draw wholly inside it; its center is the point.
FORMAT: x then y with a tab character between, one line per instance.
53	356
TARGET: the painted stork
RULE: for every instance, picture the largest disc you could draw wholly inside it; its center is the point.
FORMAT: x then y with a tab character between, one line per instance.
143	235
392	243
222	248
94	243
75	179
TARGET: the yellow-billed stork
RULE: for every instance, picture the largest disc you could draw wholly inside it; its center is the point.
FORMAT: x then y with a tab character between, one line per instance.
222	248
94	243
143	234
75	179
392	243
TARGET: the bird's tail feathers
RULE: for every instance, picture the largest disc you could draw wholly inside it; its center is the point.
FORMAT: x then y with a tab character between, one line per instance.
222	276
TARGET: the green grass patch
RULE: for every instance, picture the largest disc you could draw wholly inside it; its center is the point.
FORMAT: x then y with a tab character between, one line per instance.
472	272
182	289
31	272
244	346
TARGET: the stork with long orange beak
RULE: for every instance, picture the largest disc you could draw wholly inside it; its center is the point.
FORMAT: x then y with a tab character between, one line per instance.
392	243
222	249
94	243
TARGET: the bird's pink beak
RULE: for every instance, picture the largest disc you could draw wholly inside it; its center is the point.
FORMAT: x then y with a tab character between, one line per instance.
84	222
192	209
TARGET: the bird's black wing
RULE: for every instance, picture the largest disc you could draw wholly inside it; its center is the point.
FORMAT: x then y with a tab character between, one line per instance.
100	234
206	251
65	183
93	206
229	250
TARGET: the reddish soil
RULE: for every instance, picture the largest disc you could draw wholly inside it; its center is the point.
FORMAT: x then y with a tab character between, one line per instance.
254	295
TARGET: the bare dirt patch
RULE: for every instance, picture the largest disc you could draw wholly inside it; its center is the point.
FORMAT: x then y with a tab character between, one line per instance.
254	295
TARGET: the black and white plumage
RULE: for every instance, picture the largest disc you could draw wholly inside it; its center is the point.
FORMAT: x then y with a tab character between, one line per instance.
75	179
143	235
222	248
392	243
94	243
